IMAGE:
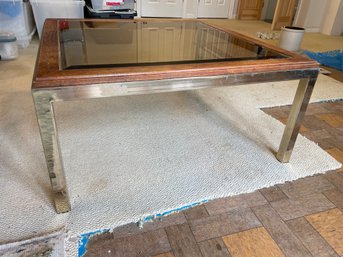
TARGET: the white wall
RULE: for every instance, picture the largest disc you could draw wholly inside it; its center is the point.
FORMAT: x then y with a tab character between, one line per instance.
337	28
333	22
325	16
310	14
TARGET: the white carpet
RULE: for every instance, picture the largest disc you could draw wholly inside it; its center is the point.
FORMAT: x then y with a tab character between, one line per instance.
129	157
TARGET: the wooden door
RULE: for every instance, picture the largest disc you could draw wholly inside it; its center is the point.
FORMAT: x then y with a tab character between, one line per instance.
162	8
213	8
250	9
284	13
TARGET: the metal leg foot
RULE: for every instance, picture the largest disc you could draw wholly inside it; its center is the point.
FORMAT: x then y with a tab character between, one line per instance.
48	131
299	106
62	203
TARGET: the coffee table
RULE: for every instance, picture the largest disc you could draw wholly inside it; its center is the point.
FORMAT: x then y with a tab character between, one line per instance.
82	59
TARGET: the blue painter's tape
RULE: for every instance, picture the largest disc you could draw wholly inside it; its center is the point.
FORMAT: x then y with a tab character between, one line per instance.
85	238
82	246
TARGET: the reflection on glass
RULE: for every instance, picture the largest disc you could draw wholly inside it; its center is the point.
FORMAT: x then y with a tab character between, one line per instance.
110	44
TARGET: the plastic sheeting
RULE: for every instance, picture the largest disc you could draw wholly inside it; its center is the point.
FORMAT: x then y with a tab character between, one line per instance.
333	59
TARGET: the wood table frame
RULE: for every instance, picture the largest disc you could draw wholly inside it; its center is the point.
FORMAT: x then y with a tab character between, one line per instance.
51	84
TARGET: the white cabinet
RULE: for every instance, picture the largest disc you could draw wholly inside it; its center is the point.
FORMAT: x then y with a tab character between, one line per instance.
162	8
186	8
181	41
159	42
213	8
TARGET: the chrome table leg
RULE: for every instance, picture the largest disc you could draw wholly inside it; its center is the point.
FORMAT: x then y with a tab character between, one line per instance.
48	132
298	109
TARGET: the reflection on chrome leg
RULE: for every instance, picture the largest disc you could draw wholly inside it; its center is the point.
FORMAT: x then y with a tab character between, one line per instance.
299	106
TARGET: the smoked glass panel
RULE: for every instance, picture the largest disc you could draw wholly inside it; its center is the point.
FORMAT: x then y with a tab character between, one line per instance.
109	44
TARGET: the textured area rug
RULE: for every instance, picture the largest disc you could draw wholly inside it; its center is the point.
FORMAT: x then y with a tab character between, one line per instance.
127	158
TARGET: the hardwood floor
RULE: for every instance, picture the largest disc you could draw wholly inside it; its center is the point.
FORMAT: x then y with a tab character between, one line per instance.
300	218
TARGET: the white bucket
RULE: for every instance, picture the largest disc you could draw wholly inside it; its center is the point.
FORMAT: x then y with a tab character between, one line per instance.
291	38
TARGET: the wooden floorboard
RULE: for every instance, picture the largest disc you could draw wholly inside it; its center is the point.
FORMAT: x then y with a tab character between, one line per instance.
306	186
253	243
311	239
330	226
336	179
236	202
197	212
273	194
224	224
280	232
182	241
336	197
169	254
302	205
214	248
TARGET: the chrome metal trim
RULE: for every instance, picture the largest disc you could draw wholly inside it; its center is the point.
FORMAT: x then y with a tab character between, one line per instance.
66	93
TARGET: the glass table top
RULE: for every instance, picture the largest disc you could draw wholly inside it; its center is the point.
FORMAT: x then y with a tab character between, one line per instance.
91	44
